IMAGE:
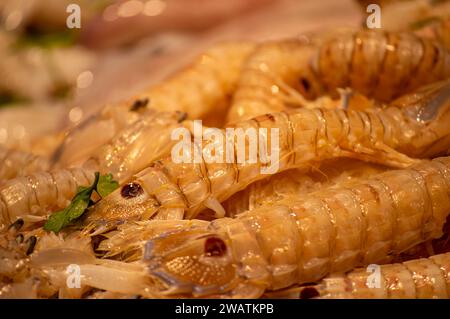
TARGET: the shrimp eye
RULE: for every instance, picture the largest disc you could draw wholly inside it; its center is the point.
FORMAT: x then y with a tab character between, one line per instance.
215	247
131	190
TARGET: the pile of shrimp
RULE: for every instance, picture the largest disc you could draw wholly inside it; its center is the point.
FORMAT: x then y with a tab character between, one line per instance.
363	181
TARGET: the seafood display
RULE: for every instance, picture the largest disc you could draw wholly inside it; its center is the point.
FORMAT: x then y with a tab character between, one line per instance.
306	136
314	166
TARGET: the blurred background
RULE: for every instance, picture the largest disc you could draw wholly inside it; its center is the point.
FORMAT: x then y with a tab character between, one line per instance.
52	77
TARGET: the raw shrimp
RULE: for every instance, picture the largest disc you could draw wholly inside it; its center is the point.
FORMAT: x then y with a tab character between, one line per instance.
35	195
198	90
382	65
376	64
177	190
16	163
423	250
84	139
301	240
136	146
130	237
426	278
201	88
298	182
266	76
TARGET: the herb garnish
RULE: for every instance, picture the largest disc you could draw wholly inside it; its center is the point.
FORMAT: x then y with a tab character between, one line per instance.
106	185
102	185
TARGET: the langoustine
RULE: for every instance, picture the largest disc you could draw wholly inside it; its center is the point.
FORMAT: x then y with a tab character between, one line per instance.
36	194
30	187
303	239
380	65
374	279
129	238
425	278
181	190
132	149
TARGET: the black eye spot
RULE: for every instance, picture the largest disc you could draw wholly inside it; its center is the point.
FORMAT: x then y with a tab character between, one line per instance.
17	225
31	241
305	83
215	247
139	104
309	292
131	190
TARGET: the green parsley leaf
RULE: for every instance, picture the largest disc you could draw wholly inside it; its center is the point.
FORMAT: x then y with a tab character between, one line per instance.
56	221
106	185
77	207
